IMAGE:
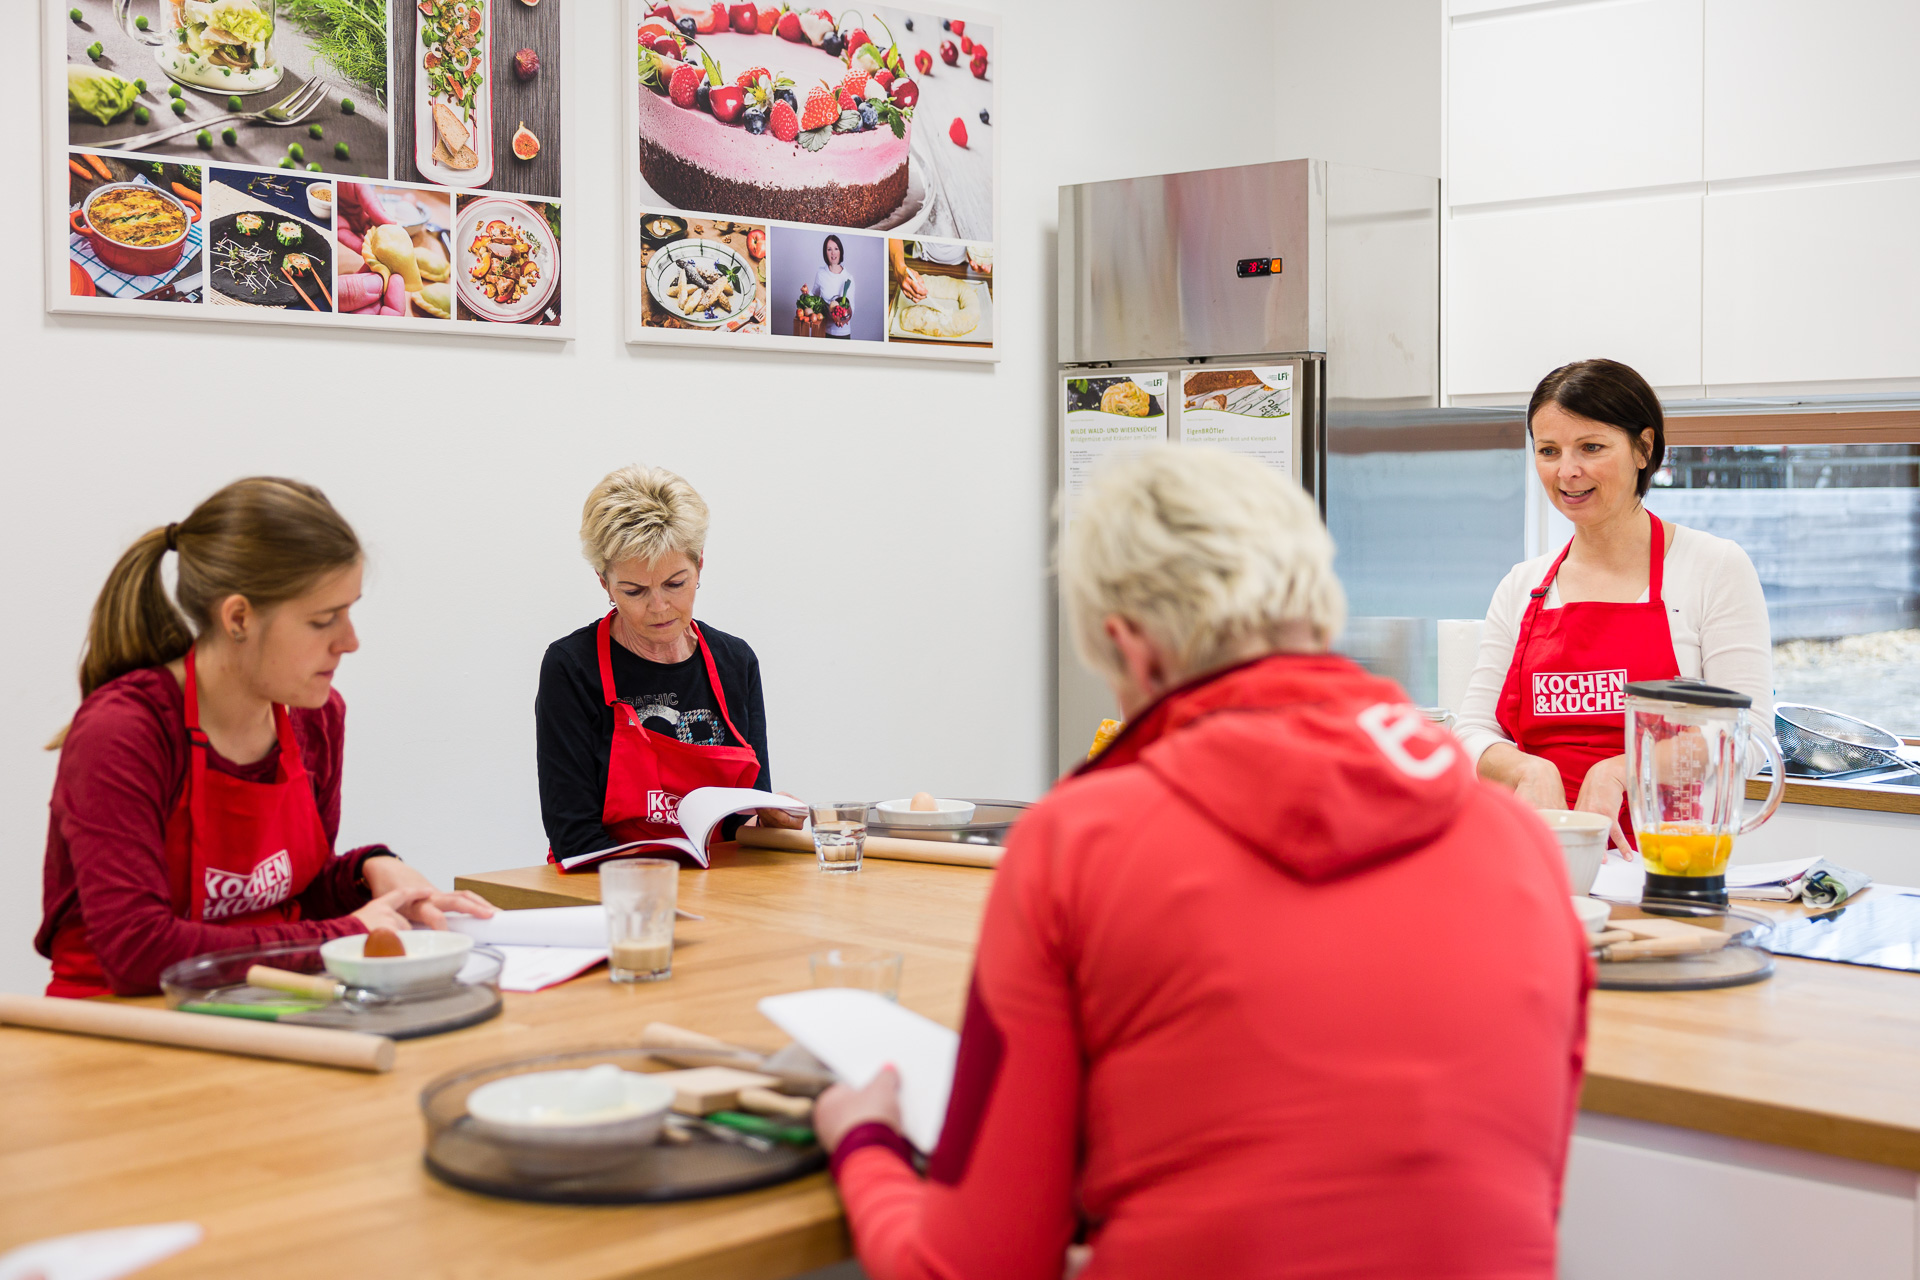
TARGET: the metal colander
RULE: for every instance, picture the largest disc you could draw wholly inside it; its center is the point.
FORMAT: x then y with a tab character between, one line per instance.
1828	742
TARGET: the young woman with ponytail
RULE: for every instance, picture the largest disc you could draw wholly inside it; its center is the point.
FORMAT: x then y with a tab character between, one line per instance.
198	794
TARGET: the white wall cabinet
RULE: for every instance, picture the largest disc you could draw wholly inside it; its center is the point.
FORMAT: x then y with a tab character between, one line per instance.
1793	87
1815	283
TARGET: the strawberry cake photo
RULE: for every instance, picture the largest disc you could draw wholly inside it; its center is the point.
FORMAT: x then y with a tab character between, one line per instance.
803	115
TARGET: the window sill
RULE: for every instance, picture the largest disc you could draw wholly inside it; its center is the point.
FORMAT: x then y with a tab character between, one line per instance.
1841	795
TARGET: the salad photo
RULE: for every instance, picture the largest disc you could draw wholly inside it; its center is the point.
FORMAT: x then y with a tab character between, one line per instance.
508	262
478	85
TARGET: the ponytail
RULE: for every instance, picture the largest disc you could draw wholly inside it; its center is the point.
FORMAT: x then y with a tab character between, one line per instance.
263	538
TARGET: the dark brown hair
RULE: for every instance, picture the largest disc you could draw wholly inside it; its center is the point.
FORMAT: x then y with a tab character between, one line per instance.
835	242
1609	392
263	538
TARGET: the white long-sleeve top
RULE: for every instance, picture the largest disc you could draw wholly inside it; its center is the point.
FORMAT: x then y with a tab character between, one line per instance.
1716	614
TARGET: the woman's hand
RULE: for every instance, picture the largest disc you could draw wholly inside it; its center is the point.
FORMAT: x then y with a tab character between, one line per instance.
1534	781
1601	792
419	902
912	285
841	1110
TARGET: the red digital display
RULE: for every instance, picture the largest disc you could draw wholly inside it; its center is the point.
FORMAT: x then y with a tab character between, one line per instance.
1258	267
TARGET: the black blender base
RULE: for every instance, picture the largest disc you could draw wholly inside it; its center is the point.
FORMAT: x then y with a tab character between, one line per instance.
1685	889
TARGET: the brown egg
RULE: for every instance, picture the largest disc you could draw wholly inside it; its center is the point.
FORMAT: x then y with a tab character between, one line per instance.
383	943
924	803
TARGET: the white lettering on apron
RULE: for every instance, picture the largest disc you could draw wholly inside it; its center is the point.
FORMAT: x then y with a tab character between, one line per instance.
1579	693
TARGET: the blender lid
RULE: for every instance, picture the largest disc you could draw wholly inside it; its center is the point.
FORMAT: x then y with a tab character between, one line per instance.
1696	693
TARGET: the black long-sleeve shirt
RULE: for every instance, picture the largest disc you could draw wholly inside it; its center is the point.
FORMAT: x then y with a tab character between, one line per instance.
573	725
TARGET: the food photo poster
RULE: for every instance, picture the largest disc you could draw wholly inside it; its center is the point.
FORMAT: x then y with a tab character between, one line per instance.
362	163
799	178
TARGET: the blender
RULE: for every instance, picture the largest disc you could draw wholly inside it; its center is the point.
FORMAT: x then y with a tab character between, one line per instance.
1687	744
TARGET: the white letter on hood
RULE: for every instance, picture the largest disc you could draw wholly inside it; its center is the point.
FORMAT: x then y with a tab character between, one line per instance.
1390	727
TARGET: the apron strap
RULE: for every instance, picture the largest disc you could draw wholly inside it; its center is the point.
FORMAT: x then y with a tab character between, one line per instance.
713	680
1656	560
603	639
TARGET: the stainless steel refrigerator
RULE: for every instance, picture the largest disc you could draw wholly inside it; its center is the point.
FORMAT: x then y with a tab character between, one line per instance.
1289	310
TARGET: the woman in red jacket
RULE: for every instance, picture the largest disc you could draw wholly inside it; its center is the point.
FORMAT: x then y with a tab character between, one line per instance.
198	793
1274	986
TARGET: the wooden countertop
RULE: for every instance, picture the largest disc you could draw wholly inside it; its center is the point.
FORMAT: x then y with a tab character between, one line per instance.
299	1171
303	1171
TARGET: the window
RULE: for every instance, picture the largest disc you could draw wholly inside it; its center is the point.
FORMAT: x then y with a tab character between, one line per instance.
1834	532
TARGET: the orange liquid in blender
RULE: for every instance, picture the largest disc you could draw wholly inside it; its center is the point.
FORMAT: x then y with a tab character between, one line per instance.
1682	849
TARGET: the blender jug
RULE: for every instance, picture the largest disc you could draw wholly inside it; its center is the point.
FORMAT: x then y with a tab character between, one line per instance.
1686	782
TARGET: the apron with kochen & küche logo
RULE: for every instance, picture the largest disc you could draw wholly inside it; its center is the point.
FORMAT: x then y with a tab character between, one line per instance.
1565	696
648	772
238	852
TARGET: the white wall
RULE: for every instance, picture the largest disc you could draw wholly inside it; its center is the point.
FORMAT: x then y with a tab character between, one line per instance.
1358	82
880	529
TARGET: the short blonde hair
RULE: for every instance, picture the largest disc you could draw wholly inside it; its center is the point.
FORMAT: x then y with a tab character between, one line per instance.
642	513
1210	553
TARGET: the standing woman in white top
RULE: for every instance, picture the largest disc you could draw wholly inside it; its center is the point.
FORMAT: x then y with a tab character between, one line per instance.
834	281
1630	597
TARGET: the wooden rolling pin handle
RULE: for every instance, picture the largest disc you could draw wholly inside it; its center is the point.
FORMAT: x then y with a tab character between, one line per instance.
300	984
768	1103
664	1035
354	1050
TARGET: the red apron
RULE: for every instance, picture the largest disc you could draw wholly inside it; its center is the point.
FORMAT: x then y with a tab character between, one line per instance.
1565	695
648	772
238	852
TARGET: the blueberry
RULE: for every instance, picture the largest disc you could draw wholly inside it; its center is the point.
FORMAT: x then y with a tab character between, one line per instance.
833	44
688	27
983	116
868	116
945	25
909	24
786	96
701	92
755	120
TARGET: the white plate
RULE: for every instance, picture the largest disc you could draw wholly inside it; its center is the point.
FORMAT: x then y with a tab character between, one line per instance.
547	255
433	957
481	126
713	253
901	813
536	1119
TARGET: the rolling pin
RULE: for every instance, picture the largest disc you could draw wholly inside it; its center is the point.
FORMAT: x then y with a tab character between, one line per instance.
354	1050
949	852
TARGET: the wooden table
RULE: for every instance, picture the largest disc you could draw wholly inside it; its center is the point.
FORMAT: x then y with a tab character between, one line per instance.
309	1172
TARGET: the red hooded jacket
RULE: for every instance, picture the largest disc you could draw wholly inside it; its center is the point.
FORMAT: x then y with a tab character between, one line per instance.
1275	987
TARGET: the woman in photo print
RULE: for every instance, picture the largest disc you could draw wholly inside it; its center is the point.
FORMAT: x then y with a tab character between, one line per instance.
835	283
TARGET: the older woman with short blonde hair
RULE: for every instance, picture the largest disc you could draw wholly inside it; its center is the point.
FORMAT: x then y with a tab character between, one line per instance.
645	704
1214	1028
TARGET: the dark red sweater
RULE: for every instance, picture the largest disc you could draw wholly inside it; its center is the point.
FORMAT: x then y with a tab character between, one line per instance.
1277	988
121	772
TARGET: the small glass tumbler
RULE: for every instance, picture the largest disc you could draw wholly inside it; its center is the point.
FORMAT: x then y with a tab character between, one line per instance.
639	895
840	835
863	968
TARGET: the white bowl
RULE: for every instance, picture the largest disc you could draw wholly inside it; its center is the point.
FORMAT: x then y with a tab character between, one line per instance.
566	1122
1593	914
320	201
1583	842
433	957
901	813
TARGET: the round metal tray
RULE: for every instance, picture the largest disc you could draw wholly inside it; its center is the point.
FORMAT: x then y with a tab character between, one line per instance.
220	977
992	820
460	1153
1743	960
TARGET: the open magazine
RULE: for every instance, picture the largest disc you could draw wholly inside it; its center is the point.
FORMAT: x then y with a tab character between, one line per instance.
700	811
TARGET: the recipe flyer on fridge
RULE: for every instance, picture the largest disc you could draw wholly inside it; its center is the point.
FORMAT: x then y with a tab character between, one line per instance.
364	163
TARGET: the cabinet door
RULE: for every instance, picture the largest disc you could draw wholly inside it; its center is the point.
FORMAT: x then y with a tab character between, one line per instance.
1557	101
1530	290
1793	87
1816	283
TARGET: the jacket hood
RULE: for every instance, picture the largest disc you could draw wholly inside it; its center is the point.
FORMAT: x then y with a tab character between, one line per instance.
1310	761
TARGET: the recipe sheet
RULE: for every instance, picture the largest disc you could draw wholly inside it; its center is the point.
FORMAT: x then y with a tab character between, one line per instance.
1246	411
1106	417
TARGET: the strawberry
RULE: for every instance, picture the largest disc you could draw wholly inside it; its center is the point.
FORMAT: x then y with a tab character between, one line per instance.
821	109
789	28
686	80
769	19
923	62
652	28
854	82
948	53
966	44
979	65
727	102
856	38
847	101
958	132
782	123
666	45
959	27
905	94
750	77
744	18
714	19
823	15
885	78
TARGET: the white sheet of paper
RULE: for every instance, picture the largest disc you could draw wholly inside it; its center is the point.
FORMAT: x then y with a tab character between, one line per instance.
702	808
858	1032
99	1255
1627	879
537	927
1759	873
537	968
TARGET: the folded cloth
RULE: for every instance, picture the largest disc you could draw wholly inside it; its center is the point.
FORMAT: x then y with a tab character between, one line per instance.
1826	885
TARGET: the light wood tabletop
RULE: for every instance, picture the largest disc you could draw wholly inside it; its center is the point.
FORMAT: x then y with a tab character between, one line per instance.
298	1171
